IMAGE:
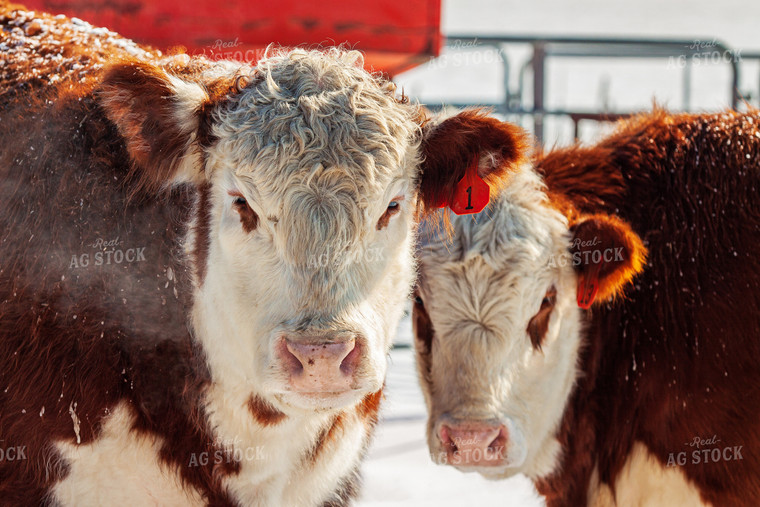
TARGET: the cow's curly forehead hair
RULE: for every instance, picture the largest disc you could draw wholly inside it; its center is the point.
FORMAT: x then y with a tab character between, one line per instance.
305	111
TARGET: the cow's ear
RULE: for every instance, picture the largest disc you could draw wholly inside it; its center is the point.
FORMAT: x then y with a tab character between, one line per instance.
606	254
159	117
465	158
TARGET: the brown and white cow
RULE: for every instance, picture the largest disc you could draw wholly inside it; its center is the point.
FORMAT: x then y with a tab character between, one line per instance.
652	395
202	265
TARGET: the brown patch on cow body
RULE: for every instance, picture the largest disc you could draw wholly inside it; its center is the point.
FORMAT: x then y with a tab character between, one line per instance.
423	326
263	411
677	357
369	407
367	410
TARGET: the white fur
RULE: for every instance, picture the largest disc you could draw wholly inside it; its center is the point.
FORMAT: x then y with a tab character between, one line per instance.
644	482
188	97
480	291
120	468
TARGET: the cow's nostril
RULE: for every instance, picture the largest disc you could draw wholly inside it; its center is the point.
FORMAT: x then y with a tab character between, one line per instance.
290	360
444	434
320	366
350	362
500	442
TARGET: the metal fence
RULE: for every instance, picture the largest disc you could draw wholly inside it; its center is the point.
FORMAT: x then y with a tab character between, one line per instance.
533	72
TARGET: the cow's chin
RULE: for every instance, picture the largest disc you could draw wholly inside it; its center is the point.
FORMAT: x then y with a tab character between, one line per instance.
321	401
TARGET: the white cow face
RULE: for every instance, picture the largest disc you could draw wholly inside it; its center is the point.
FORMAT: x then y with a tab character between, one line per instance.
498	325
309	180
313	197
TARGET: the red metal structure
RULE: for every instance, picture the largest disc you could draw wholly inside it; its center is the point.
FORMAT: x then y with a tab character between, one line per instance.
395	35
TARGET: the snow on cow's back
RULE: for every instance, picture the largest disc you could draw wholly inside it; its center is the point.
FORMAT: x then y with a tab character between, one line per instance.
38	49
56	54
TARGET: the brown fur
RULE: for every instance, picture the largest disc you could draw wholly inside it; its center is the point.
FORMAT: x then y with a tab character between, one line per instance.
202	232
145	119
264	413
370	406
248	218
677	356
328	435
606	233
539	324
449	148
423	330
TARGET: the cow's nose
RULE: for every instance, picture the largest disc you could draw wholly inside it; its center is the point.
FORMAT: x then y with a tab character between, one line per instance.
322	367
474	443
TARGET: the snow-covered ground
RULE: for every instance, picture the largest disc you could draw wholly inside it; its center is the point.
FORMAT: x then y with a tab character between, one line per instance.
398	470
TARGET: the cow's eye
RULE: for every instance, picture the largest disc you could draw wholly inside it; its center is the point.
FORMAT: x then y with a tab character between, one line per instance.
418	301
549	299
248	218
393	207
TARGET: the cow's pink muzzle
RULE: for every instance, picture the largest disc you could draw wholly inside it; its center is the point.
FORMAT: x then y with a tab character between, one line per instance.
320	367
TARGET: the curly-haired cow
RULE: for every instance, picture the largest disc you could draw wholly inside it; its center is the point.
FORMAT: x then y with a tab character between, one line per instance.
597	328
202	265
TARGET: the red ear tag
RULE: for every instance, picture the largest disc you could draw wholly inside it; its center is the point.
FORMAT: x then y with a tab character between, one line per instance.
588	286
472	193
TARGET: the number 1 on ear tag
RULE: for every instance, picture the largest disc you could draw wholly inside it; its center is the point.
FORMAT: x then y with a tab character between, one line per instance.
472	193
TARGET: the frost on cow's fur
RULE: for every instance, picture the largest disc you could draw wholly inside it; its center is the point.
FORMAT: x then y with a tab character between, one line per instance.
327	139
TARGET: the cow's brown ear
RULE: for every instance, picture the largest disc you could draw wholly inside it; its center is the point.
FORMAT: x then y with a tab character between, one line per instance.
462	154
158	116
606	254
